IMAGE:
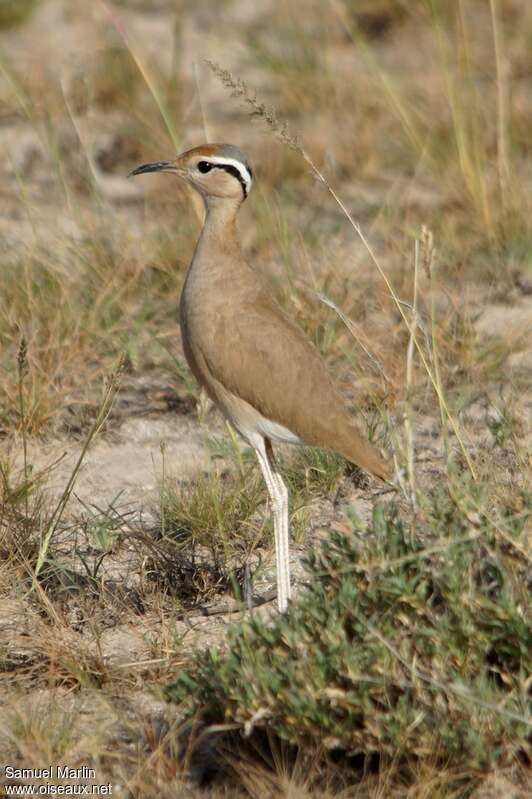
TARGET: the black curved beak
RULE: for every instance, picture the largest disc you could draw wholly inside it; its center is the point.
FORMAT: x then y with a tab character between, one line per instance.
155	166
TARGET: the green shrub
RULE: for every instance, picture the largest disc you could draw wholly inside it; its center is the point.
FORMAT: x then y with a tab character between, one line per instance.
400	644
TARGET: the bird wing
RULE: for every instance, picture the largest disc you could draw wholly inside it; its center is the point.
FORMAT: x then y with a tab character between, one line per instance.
266	360
262	357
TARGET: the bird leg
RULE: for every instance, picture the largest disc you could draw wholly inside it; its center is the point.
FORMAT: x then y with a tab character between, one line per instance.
279	499
284	533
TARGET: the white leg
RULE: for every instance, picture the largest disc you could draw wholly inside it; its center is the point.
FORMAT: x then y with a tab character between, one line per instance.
279	498
284	534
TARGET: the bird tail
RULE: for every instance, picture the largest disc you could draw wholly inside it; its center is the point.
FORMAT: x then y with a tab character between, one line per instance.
357	449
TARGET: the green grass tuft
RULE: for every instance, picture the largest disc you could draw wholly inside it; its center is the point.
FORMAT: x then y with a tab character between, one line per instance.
209	529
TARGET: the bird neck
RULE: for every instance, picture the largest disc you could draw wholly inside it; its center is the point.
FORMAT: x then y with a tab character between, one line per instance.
219	229
218	256
220	212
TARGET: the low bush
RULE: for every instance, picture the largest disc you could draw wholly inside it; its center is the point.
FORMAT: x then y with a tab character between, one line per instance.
407	643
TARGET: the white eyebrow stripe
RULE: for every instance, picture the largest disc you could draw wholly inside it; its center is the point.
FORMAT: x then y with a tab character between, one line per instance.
244	172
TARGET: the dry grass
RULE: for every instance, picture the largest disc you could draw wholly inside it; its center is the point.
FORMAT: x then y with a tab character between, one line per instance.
399	116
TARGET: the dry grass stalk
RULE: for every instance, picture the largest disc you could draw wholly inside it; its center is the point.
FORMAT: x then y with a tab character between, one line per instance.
104	409
501	67
353	330
407	416
144	71
22	367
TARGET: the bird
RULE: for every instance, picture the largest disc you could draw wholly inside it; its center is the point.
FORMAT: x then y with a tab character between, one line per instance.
253	361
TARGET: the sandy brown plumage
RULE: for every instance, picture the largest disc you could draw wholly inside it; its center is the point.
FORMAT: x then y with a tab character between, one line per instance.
249	346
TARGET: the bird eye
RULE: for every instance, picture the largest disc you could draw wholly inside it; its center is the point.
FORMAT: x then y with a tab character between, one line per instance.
204	166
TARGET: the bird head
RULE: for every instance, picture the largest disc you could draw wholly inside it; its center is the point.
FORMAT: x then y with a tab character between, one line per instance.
215	170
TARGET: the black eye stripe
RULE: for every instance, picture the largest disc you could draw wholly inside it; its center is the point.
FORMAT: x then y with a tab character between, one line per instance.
232	170
206	166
